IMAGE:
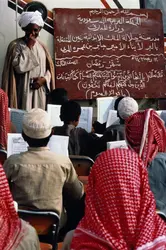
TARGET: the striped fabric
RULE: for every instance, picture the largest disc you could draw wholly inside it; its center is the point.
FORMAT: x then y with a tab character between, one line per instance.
4	121
120	208
11	231
146	134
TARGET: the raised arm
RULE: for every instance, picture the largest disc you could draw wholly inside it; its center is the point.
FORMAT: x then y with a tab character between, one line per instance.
24	59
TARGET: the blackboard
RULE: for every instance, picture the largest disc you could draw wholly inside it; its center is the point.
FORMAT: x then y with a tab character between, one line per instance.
113	52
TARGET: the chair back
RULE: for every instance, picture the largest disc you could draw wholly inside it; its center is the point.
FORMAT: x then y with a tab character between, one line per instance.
82	164
162	215
44	222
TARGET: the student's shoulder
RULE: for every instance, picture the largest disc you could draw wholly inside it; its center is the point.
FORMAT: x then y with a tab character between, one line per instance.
80	130
18	158
161	156
11	160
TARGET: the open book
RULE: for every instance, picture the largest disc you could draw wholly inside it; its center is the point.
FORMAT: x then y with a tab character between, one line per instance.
104	104
54	114
85	118
57	144
16	117
116	144
112	118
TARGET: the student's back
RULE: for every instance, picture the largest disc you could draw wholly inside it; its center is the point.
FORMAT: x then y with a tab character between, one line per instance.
146	134
116	132
80	141
39	178
120	209
157	180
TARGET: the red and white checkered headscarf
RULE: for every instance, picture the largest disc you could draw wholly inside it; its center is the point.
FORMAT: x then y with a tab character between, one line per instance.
11	231
4	120
120	211
146	134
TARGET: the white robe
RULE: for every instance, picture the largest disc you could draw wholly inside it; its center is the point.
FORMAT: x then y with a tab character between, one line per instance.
30	63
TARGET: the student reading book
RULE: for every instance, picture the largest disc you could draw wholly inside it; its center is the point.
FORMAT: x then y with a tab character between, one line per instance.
80	141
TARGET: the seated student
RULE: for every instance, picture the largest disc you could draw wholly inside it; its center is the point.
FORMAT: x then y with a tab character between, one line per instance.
80	141
146	135
120	208
99	127
126	107
58	96
15	234
38	177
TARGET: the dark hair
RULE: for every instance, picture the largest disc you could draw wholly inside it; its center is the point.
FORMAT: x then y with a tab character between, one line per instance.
36	143
58	96
70	111
117	102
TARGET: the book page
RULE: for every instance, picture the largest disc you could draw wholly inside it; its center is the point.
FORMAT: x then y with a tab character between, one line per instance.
116	144
57	144
112	118
159	112
104	105
16	117
99	135
54	114
86	118
15	144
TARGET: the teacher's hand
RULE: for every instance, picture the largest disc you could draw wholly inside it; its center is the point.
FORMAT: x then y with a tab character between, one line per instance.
38	82
30	40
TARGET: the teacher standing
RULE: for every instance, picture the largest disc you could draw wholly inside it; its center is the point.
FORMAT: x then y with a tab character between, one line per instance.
28	74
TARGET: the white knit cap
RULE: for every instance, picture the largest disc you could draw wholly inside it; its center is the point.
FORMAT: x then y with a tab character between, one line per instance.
28	17
37	124
127	107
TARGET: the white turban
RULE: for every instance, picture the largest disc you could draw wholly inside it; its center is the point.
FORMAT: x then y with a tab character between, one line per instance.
37	124
28	17
127	107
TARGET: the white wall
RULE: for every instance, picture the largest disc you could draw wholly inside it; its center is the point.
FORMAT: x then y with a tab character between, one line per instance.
7	29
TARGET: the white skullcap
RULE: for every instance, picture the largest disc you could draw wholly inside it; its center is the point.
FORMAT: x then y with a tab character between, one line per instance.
37	124
127	107
28	17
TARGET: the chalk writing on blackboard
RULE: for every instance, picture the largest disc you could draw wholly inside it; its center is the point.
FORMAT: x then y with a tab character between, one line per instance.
109	53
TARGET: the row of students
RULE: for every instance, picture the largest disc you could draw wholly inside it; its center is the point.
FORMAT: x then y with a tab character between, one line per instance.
39	178
83	143
125	188
145	133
